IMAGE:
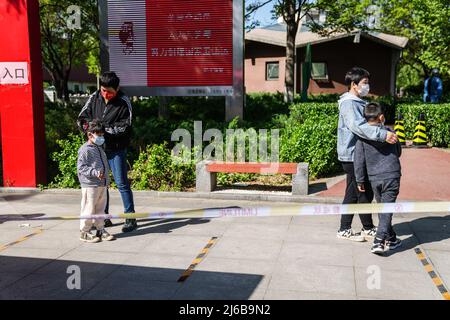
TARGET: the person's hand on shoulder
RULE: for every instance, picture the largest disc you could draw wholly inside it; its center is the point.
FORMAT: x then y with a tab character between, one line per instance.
391	137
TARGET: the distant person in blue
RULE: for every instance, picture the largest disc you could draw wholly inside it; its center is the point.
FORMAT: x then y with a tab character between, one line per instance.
433	88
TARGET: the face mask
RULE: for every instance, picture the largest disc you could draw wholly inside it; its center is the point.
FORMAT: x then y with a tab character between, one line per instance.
364	90
99	140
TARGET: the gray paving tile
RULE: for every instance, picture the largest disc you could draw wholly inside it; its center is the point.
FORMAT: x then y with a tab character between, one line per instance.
183	245
257	231
396	285
299	295
317	254
240	248
314	278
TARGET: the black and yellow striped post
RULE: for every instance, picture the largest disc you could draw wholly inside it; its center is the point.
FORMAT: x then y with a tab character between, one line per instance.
400	129
420	138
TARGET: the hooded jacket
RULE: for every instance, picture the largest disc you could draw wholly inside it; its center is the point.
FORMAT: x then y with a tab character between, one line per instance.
380	160
352	125
91	161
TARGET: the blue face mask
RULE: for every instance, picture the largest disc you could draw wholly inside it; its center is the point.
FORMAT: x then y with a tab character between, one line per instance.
99	140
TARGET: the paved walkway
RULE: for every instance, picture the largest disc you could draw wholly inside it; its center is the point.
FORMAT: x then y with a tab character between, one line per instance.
426	176
252	258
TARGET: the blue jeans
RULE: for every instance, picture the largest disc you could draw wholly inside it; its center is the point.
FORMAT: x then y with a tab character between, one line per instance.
386	191
118	163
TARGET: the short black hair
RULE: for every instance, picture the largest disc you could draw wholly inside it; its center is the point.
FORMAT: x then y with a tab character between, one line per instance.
95	126
372	111
356	74
110	80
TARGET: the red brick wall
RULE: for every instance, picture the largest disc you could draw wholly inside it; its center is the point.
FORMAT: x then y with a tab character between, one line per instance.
340	55
256	56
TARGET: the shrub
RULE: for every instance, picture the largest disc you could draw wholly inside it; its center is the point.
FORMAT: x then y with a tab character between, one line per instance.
312	140
66	158
60	121
437	121
156	169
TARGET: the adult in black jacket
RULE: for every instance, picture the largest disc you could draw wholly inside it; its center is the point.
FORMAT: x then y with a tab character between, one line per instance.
113	108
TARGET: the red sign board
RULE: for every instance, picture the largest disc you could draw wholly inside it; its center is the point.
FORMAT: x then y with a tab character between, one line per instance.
171	43
190	43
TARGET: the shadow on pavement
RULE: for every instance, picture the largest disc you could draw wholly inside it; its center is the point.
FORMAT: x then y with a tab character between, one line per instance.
166	225
16	197
424	230
159	226
32	278
19	217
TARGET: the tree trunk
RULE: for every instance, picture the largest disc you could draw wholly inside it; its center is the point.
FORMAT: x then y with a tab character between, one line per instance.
58	86
66	90
163	109
291	34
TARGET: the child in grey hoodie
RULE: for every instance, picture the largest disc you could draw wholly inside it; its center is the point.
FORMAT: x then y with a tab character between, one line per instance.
382	164
92	169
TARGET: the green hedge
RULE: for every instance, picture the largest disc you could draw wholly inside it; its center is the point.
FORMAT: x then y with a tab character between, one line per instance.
66	158
437	121
307	134
156	169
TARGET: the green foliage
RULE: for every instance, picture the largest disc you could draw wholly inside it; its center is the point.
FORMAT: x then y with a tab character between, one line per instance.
65	42
437	121
311	139
60	121
66	158
426	23
157	169
341	15
307	134
226	179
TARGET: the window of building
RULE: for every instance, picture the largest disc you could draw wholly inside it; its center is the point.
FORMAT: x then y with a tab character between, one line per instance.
272	70
319	71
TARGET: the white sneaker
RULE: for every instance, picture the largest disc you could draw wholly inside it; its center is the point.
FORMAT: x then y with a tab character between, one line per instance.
89	237
105	236
369	234
348	234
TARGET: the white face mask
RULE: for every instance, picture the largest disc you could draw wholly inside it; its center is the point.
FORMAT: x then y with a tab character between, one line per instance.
98	140
363	90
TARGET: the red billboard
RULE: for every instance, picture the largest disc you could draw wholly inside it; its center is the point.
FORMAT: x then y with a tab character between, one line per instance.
190	43
173	47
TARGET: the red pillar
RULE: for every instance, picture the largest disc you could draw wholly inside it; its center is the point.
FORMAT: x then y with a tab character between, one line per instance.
21	95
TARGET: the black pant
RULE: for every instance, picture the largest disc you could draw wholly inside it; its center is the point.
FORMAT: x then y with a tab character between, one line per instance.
386	191
352	195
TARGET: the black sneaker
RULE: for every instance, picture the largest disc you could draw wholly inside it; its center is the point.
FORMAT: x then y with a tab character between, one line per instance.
130	225
108	223
391	245
378	246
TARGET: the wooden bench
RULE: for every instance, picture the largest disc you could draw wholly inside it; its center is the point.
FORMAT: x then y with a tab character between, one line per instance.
206	173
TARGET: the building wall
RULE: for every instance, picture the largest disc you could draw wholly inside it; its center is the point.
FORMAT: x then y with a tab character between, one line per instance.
340	55
81	86
256	56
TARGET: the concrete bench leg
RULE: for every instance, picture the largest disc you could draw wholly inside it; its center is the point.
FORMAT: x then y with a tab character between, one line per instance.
300	180
204	181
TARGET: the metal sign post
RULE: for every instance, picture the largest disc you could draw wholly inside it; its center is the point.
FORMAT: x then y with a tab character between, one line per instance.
21	95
